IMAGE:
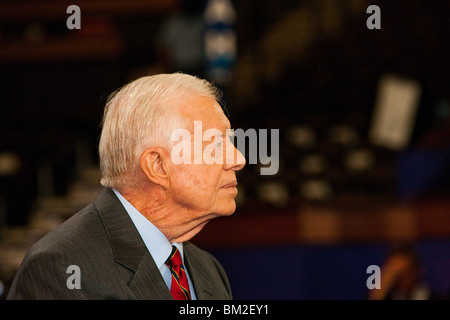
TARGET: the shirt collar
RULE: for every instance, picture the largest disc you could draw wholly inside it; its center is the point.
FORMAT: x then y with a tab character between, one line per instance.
155	241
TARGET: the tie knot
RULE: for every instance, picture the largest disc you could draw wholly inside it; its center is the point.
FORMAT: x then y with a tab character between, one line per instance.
174	258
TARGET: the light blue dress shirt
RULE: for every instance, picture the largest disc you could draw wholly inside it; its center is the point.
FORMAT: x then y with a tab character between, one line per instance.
156	242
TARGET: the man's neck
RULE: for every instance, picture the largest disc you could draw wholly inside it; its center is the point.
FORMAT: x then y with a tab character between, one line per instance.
174	221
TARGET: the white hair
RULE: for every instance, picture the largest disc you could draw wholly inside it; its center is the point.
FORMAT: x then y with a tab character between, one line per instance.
140	115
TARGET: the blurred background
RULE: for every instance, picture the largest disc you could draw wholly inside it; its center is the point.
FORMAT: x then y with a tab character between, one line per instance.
363	117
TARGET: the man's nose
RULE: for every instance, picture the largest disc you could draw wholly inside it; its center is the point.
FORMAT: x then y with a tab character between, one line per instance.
234	159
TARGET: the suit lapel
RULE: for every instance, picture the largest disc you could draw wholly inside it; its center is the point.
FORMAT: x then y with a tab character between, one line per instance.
129	249
147	282
204	289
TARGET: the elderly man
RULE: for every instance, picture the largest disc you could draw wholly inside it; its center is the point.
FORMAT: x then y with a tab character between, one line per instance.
132	241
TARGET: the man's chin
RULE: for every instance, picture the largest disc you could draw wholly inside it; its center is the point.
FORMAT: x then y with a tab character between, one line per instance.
190	234
224	211
227	210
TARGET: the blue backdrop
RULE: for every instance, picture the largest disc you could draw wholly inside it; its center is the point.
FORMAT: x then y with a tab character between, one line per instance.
321	272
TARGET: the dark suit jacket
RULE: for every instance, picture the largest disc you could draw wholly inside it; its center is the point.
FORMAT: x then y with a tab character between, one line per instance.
114	262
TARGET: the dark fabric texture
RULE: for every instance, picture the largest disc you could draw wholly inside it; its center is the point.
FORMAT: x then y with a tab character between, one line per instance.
113	261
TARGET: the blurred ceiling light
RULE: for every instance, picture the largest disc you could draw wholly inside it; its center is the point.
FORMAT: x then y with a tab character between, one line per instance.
344	135
274	192
301	136
360	160
10	163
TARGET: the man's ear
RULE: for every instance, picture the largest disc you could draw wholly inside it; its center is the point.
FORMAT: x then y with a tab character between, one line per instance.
153	163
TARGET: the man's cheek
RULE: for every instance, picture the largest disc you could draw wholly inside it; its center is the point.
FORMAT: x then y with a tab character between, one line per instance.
194	182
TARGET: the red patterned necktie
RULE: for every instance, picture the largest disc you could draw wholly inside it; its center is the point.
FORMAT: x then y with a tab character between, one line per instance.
180	286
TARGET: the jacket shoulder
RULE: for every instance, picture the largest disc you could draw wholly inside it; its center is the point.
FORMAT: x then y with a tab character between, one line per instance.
81	232
77	245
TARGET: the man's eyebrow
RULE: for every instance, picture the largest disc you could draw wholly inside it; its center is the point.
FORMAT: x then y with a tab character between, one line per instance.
222	134
229	132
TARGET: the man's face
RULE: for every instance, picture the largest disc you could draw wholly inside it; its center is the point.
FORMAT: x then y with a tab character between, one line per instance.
206	187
